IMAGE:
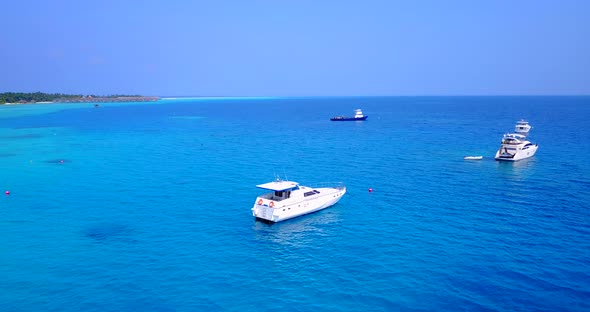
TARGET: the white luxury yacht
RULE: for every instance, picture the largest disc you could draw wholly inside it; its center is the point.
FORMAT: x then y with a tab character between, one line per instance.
515	147
288	200
522	127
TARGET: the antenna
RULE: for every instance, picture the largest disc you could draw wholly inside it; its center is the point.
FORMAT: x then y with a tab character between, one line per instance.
285	174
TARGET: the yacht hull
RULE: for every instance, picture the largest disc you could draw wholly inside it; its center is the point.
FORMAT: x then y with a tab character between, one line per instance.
281	212
519	155
349	118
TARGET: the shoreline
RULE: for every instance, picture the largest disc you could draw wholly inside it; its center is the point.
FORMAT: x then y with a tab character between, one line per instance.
121	99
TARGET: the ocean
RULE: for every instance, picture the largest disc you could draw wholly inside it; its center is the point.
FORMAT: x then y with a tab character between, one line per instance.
146	206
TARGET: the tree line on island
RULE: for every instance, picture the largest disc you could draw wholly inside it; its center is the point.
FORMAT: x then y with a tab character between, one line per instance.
35	97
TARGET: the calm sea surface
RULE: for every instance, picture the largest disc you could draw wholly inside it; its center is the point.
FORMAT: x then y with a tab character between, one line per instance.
146	206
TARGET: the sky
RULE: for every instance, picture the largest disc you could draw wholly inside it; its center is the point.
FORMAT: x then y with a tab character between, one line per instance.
296	48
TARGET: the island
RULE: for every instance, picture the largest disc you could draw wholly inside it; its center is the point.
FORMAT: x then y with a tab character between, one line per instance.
40	97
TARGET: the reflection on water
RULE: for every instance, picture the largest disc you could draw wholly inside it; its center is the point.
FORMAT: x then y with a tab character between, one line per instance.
297	231
519	170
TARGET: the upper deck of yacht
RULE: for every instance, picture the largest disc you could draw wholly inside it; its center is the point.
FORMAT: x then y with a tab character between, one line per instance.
513	138
279	186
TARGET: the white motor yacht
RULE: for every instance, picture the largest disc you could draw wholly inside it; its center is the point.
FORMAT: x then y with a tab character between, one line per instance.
522	127
515	147
288	199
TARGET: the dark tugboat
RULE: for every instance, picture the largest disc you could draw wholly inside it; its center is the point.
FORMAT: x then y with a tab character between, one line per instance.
358	116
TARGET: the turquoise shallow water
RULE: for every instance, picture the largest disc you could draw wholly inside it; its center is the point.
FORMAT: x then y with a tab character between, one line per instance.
150	208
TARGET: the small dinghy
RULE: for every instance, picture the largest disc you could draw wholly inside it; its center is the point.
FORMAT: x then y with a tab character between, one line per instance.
473	157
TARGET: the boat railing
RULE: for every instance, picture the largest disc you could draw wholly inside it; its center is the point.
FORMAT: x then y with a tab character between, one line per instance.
510	142
335	185
271	196
267	196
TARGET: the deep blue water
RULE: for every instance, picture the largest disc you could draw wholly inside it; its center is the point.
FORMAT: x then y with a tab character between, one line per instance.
146	207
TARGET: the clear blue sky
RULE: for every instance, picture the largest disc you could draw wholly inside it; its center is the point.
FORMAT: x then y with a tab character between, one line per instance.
296	48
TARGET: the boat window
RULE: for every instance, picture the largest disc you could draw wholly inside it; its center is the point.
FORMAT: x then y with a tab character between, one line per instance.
309	193
278	194
316	191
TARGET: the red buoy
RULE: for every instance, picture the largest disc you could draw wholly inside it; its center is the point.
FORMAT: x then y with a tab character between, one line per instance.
7	193
370	190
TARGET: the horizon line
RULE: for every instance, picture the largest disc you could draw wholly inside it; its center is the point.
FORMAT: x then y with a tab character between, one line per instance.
213	97
171	96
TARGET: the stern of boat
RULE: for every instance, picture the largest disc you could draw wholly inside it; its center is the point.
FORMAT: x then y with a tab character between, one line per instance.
264	209
264	213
